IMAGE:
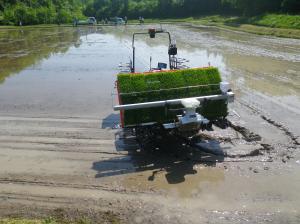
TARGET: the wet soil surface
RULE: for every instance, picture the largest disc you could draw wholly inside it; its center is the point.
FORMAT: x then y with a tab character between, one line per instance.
60	149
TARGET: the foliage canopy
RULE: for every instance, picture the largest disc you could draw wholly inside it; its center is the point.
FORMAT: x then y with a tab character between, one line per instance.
41	11
63	11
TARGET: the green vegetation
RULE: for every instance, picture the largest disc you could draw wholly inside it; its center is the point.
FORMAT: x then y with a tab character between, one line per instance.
185	8
276	21
64	216
19	221
147	87
64	11
267	20
27	221
109	219
246	24
257	7
29	12
268	24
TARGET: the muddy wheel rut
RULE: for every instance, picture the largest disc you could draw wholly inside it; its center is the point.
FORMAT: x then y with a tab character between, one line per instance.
56	142
53	152
60	184
260	113
284	129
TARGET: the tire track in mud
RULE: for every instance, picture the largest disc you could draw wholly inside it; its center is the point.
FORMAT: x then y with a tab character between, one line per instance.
285	130
61	150
58	184
34	198
56	140
240	157
78	145
247	135
64	192
21	200
250	136
54	153
283	151
74	208
55	156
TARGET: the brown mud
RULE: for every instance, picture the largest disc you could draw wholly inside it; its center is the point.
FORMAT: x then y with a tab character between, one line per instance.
282	128
62	154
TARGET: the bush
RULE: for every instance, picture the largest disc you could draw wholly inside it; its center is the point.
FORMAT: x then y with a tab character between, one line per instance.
277	21
147	87
40	13
63	16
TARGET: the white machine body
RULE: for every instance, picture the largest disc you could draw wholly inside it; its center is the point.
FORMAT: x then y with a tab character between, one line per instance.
190	120
190	115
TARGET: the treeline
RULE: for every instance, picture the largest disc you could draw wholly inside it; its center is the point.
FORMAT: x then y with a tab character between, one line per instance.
256	7
40	11
63	11
185	8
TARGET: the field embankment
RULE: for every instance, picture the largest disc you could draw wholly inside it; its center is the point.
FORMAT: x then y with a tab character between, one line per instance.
279	25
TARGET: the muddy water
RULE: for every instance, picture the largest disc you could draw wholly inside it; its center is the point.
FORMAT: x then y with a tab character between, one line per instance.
65	68
70	72
167	182
60	72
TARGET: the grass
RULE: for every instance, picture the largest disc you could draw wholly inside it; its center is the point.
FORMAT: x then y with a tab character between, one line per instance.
28	221
84	220
276	21
45	221
66	216
138	88
34	26
280	25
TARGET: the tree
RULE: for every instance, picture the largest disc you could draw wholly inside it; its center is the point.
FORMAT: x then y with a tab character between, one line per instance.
291	6
49	11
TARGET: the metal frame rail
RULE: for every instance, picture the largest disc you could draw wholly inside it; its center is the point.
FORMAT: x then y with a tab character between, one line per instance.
226	96
143	33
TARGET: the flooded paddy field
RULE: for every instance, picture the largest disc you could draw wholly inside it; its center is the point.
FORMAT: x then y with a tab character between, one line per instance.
60	148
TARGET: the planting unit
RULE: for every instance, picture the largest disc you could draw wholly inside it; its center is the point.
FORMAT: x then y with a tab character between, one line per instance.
169	85
176	101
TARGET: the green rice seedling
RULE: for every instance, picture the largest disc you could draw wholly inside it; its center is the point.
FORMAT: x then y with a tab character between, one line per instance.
148	87
213	110
153	86
197	82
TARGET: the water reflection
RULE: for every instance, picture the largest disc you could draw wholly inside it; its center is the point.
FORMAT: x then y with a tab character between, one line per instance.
68	71
263	65
265	75
158	49
269	66
20	49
